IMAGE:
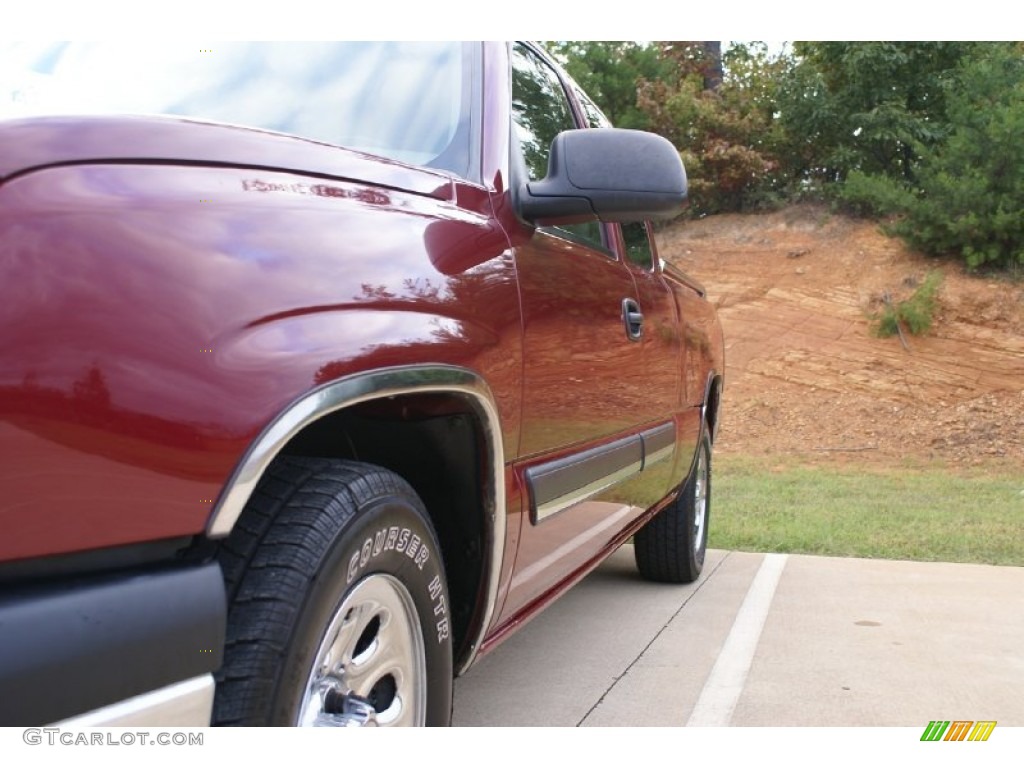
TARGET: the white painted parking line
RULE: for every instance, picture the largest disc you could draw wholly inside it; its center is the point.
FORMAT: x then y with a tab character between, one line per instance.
725	683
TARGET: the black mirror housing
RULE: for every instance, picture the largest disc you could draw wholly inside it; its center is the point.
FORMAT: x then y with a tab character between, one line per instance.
611	174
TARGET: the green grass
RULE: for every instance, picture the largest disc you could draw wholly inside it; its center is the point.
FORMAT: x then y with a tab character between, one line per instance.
905	514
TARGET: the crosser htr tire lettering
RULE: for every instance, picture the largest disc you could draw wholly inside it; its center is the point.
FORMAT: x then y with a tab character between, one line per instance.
338	609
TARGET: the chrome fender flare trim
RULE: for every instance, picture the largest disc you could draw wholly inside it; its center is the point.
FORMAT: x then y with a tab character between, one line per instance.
375	385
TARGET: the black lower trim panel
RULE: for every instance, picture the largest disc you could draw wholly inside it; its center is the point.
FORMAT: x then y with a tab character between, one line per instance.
65	651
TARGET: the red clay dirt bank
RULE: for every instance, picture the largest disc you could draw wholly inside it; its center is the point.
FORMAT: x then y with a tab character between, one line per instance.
806	379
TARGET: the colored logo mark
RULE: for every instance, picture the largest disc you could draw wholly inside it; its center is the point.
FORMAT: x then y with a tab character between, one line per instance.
958	730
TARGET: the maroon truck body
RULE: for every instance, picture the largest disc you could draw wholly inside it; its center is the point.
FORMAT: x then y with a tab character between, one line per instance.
185	303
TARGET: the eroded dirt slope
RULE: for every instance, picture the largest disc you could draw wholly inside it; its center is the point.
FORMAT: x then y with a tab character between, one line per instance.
805	377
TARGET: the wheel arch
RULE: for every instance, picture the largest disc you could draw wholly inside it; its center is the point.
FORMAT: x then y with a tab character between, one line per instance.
304	426
712	403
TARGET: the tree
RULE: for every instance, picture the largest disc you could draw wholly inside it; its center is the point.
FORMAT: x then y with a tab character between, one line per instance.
969	198
928	132
966	193
724	132
609	72
866	106
714	73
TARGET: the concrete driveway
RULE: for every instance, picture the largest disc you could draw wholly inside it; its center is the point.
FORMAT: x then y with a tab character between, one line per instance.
764	640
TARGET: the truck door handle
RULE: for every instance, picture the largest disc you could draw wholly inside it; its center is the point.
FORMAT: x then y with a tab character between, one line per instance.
633	319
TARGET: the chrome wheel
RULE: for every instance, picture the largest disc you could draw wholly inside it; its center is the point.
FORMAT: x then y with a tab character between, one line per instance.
370	667
700	504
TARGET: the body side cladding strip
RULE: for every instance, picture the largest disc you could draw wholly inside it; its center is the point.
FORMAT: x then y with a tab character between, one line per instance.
557	485
659	443
375	385
73	648
541	510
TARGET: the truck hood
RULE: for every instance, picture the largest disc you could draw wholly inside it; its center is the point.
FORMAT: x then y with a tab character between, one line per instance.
34	143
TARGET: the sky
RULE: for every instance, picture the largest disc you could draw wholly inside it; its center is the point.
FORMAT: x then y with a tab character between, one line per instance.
519	19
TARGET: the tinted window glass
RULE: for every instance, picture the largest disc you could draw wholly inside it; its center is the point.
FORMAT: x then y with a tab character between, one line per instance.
539	108
540	111
594	116
638	246
406	101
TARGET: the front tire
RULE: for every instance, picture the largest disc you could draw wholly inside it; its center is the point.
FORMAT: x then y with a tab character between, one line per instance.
671	545
339	603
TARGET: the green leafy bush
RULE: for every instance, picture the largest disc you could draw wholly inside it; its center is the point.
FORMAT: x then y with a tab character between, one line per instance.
872	195
966	196
915	313
971	188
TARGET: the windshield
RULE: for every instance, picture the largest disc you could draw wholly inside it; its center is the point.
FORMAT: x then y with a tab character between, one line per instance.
412	102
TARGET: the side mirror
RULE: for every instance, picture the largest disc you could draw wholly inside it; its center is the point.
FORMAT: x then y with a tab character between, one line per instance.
610	174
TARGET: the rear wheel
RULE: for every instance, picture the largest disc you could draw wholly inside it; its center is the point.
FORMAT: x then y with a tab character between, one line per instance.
672	545
339	607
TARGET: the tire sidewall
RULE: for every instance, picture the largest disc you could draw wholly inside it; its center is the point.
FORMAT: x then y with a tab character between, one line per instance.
389	535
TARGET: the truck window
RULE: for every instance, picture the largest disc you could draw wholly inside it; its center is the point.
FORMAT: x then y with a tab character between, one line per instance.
540	111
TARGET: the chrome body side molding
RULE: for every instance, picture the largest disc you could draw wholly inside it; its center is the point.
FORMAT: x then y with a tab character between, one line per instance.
376	385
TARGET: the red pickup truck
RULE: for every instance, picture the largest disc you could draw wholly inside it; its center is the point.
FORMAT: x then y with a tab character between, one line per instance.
323	368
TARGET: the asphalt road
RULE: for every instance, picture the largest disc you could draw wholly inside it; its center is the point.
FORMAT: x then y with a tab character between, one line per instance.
785	640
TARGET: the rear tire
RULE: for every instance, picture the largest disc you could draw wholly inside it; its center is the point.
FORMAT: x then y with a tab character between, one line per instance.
338	608
672	544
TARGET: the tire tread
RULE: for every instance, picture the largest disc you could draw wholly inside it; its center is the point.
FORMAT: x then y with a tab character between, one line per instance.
269	561
663	548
